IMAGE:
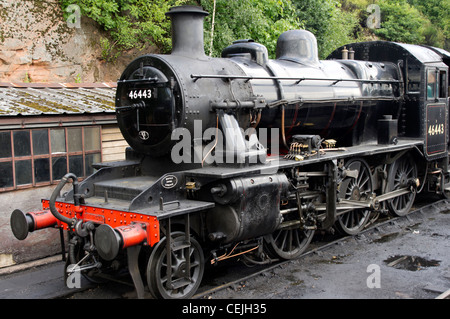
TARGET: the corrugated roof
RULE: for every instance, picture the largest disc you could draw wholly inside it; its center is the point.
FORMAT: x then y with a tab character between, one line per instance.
56	98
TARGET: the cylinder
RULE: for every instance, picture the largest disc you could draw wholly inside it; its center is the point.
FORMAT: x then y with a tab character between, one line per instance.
22	224
247	207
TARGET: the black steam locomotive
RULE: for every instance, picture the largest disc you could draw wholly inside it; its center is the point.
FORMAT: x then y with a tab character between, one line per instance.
247	156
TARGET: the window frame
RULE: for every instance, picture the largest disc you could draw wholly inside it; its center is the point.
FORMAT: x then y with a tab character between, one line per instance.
442	84
431	72
50	156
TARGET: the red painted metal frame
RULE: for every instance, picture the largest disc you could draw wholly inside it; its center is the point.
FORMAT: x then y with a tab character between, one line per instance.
113	218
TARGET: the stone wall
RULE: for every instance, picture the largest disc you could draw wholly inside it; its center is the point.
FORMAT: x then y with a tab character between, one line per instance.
37	45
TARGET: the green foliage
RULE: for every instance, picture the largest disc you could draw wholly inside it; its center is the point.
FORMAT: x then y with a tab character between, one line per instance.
137	24
401	22
437	31
332	26
108	52
410	21
437	11
27	78
260	20
131	23
140	23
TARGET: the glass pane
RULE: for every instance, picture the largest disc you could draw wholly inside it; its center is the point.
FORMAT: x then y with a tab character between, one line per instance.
59	167
91	159
76	165
23	172
58	140
41	170
22	143
74	139
442	84
431	84
414	78
6	175
5	143
91	138
40	142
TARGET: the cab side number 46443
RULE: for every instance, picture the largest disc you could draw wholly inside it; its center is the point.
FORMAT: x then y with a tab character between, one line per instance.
436	129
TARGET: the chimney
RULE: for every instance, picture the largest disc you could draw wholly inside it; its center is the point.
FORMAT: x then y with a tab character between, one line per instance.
187	31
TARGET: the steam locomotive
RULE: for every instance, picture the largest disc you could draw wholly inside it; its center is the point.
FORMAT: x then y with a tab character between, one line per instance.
249	156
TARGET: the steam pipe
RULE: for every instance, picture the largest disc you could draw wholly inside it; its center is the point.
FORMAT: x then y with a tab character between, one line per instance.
55	194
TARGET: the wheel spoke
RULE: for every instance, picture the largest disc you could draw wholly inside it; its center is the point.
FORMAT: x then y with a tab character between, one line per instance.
297	238
283	242
408	173
352	219
361	185
360	176
346	217
277	236
396	201
290	241
404	201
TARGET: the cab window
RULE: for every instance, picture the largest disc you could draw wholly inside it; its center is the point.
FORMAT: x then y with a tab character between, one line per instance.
442	84
431	84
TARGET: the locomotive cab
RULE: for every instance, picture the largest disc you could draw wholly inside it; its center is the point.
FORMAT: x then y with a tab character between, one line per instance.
435	104
423	108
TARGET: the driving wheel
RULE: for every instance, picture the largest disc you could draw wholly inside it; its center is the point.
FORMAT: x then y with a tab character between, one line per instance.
357	188
401	174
